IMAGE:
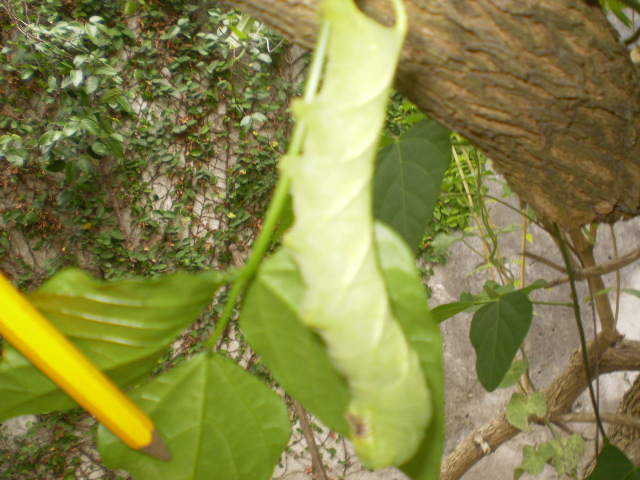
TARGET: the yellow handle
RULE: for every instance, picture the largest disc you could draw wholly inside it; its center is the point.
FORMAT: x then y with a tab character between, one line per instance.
48	349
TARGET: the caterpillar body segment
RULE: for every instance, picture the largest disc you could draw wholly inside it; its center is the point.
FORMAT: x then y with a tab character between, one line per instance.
332	239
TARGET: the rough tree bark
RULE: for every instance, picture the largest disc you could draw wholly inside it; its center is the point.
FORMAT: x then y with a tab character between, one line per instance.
544	87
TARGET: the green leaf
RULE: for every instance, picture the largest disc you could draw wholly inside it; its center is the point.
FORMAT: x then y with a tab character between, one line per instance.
443	241
497	331
408	177
218	421
295	355
130	8
521	407
409	304
534	459
90	126
116	147
55	166
568	453
17	156
123	327
70	129
448	310
111	95
91	84
76	77
537	285
50	137
246	123
613	464
99	149
173	32
516	370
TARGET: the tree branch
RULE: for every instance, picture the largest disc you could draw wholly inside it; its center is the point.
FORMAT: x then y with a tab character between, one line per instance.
584	249
543	87
613	418
560	395
601	269
307	431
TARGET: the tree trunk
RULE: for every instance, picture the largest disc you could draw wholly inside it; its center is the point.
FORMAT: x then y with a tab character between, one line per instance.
543	87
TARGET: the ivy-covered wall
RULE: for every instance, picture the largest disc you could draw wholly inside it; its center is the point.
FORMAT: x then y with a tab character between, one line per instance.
135	137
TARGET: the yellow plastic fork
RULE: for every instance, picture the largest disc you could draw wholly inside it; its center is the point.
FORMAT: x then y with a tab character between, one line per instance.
47	348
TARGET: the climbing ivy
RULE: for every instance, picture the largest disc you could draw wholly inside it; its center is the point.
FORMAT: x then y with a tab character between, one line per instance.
135	138
139	119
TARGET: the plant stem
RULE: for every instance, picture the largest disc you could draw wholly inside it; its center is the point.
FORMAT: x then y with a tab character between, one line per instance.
279	201
578	316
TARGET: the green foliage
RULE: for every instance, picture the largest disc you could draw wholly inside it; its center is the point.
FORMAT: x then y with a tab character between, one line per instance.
517	369
50	440
410	307
124	328
217	420
613	464
522	407
563	453
497	331
101	113
408	171
461	182
618	8
534	459
295	355
460	199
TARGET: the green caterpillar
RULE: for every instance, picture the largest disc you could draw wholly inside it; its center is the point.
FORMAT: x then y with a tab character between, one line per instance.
332	239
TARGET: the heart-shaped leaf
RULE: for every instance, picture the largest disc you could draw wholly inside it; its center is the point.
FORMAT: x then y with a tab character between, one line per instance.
408	178
613	464
218	421
521	407
497	331
534	459
123	327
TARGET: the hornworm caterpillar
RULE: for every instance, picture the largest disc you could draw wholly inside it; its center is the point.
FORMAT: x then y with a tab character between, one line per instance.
332	239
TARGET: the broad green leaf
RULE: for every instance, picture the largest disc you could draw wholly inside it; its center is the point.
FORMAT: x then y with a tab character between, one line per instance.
295	355
522	407
77	77
568	453
218	421
99	148
443	241
534	459
124	327
613	464
50	138
497	331
408	177
516	370
90	126
409	303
